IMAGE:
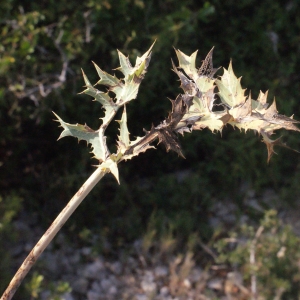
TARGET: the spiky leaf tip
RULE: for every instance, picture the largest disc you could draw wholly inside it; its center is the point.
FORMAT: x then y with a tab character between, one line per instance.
99	96
124	133
127	93
84	132
188	63
140	67
112	167
105	78
230	89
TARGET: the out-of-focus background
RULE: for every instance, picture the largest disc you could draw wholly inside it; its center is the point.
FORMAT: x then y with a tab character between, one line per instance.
190	204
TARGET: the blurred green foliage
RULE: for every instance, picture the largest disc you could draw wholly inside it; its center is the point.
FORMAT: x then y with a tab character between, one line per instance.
43	46
55	291
275	250
10	206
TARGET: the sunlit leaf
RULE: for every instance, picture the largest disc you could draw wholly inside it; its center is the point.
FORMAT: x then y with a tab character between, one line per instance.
83	132
230	89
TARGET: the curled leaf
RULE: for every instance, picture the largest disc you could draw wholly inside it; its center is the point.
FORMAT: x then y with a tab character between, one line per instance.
207	70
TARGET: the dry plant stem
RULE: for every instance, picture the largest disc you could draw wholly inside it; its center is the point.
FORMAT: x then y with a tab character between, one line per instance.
51	232
258	233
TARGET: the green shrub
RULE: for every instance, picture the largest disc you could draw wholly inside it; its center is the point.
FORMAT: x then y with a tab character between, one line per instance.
269	252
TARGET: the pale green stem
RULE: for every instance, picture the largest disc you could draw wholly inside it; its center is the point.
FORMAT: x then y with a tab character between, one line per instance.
52	231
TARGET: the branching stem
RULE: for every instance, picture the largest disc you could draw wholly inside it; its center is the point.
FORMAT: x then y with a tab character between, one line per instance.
51	232
192	110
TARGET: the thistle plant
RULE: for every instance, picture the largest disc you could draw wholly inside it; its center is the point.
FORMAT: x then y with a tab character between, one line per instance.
194	109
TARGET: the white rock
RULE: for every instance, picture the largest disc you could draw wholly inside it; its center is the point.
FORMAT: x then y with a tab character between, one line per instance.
75	258
112	290
148	286
131	264
149	276
86	251
187	283
116	267
67	296
96	287
105	284
253	203
44	295
164	291
196	274
80	285
161	271
215	284
141	297
93	270
91	295
51	262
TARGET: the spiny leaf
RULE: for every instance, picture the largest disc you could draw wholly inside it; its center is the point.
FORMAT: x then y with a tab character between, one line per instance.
207	70
166	130
188	85
179	108
205	103
271	112
266	120
128	92
124	133
273	121
144	58
140	67
188	63
99	96
202	115
212	121
204	84
201	86
83	132
110	107
231	92
271	143
169	140
262	97
139	145
125	89
142	63
125	65
110	112
112	167
187	122
105	78
241	111
117	90
165	135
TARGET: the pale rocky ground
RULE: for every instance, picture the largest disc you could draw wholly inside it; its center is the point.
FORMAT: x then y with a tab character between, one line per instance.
135	276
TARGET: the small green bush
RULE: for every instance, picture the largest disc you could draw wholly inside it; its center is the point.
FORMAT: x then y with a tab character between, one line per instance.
269	252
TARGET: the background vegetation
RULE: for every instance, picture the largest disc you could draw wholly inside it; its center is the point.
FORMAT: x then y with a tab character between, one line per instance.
43	46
